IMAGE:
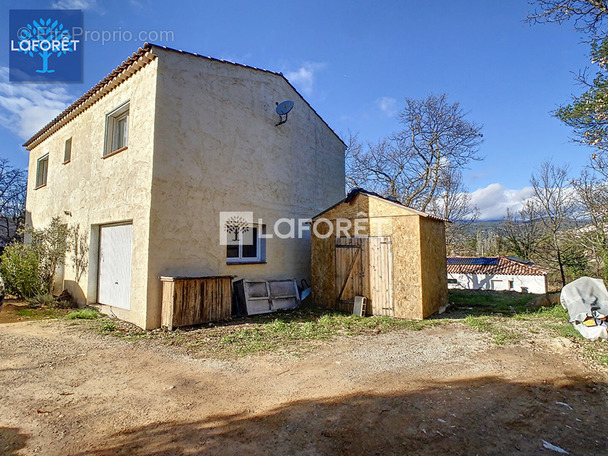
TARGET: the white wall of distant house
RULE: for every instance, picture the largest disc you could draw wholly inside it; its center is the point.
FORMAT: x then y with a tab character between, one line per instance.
498	282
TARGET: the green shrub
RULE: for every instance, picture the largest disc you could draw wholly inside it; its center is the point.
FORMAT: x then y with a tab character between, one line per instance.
110	326
19	266
29	270
51	244
42	300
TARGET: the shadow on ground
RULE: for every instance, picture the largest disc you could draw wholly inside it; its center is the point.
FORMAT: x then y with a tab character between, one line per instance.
484	416
11	441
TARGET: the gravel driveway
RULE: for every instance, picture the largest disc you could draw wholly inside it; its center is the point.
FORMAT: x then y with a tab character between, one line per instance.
445	390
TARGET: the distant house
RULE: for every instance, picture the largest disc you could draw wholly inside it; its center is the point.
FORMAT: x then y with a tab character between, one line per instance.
496	273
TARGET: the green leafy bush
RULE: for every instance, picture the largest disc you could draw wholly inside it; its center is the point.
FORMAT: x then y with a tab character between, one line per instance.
51	245
29	269
19	266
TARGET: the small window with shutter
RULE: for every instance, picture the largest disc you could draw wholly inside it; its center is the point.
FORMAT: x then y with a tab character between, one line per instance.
67	152
117	130
42	170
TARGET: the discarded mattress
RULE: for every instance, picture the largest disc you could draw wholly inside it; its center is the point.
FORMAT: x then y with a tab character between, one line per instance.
586	301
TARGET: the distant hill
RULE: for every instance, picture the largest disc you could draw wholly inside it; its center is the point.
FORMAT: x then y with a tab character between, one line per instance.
483	225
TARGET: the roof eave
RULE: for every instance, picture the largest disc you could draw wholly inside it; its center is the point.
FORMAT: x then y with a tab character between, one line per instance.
121	73
111	81
400	205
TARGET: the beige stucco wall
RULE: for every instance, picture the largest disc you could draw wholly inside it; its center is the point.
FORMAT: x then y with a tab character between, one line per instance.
202	139
217	149
99	191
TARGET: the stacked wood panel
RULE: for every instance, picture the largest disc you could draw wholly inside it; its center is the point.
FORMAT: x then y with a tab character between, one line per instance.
188	301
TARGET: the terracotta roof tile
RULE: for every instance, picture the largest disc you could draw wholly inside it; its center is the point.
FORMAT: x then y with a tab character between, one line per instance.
503	265
89	97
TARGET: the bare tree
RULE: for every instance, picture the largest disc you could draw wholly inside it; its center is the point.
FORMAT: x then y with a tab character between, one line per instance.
13	187
592	219
588	15
381	168
454	204
522	231
586	114
411	164
356	176
555	205
487	242
435	135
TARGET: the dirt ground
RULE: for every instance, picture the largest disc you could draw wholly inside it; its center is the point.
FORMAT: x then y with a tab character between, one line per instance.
65	390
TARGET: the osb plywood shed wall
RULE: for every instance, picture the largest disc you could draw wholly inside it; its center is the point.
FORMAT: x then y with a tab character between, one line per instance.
417	249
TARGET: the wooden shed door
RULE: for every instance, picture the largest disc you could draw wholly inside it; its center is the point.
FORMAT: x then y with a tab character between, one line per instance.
115	265
349	271
380	276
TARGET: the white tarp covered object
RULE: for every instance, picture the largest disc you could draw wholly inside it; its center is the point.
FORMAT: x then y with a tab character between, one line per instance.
586	300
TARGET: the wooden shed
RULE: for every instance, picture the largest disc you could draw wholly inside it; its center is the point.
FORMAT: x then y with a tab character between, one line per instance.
375	247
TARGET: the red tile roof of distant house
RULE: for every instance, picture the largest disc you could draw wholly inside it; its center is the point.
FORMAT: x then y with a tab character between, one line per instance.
493	265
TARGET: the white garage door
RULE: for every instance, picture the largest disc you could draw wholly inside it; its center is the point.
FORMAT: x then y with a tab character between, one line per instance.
115	265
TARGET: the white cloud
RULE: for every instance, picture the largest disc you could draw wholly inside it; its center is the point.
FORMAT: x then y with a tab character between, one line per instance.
494	200
26	108
387	105
304	77
74	4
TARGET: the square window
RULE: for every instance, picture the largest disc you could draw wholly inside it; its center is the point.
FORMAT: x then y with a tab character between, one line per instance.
117	130
249	249
67	152
42	169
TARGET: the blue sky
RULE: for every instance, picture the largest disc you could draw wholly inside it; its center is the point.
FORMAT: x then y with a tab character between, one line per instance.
355	62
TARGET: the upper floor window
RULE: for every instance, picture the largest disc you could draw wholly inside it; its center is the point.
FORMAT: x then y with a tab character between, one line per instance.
67	153
117	130
42	169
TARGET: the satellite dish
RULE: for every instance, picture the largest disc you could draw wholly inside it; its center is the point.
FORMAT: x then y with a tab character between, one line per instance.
282	110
